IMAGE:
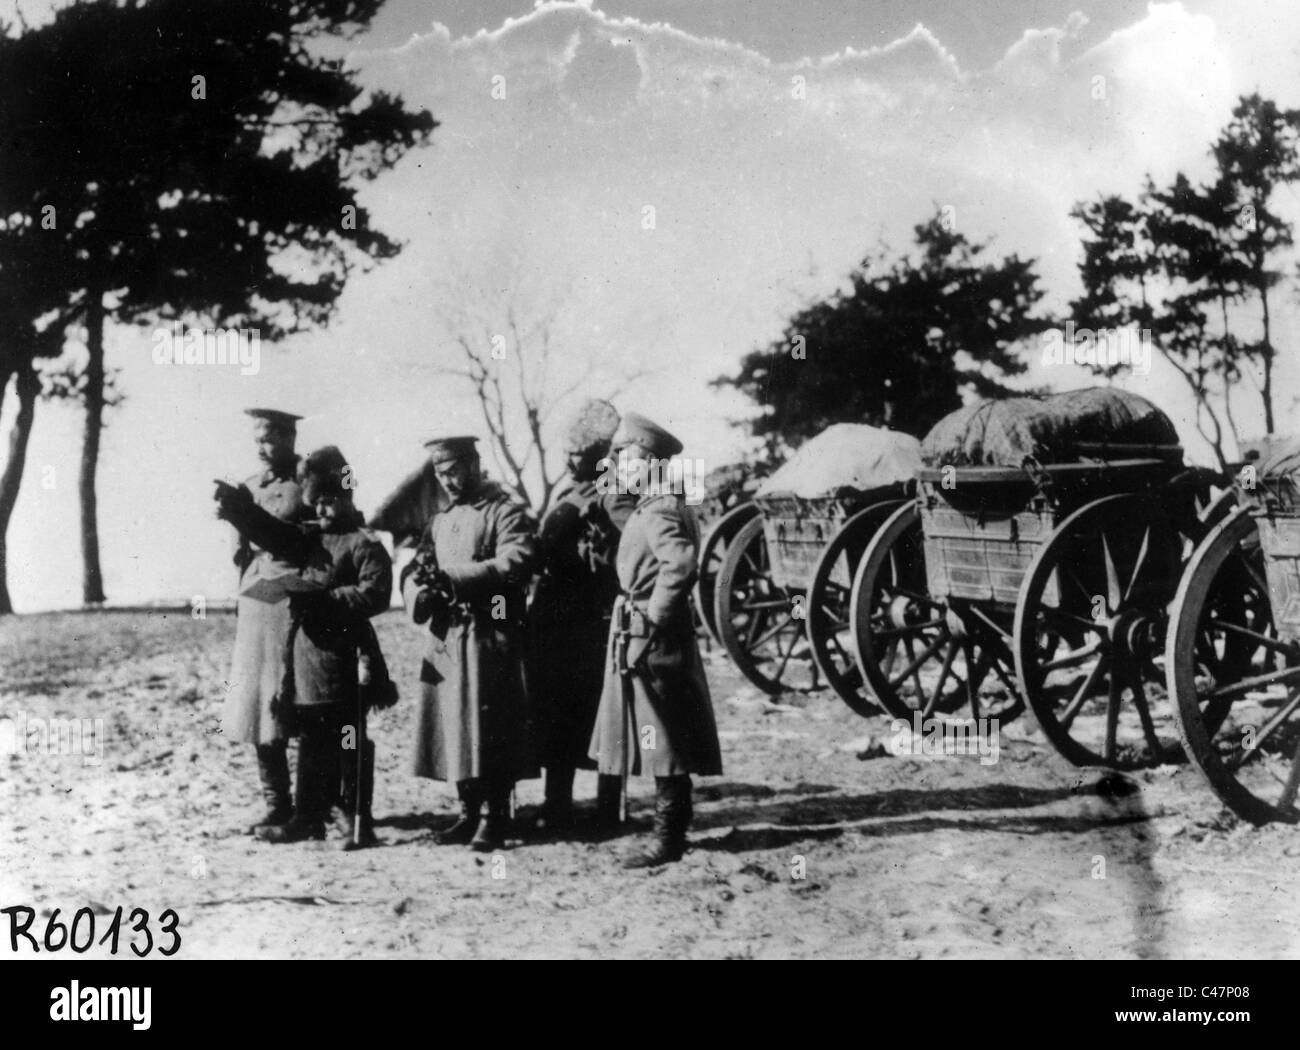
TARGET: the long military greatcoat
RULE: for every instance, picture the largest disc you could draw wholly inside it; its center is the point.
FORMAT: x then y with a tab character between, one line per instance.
261	629
658	721
355	573
569	620
473	713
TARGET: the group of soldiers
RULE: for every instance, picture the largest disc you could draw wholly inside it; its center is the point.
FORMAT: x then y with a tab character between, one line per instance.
569	646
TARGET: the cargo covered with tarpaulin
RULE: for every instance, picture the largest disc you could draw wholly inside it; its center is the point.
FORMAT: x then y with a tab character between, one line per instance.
832	476
999	476
1098	423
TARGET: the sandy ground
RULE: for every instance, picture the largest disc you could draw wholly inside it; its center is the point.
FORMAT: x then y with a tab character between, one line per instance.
813	844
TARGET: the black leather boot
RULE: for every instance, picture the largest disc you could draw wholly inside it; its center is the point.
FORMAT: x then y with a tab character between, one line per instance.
609	806
318	772
273	772
673	813
493	828
556	817
471	804
296	830
354	806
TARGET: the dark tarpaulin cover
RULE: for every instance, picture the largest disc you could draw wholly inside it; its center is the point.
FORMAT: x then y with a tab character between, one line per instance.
1049	427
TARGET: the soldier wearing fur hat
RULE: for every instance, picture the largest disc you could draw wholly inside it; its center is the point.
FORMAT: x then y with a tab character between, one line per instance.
656	716
261	628
569	618
340	576
467	583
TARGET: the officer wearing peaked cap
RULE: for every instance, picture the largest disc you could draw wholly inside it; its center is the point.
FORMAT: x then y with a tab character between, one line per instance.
284	420
656	716
261	628
448	449
334	669
655	440
569	617
467	583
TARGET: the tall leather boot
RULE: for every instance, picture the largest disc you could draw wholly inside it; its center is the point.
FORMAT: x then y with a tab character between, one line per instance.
492	830
556	817
273	772
352	812
471	805
609	806
318	772
684	812
673	813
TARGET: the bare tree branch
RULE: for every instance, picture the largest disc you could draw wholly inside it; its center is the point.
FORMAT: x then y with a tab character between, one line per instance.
519	391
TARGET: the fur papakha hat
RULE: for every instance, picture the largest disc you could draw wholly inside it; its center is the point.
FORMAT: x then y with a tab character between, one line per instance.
324	472
592	426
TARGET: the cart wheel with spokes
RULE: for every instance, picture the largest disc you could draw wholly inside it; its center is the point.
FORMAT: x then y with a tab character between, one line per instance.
761	622
914	653
1212	508
1234	682
713	551
830	633
1089	632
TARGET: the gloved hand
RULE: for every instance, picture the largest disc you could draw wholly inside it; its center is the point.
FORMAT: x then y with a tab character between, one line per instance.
654	636
422	607
231	500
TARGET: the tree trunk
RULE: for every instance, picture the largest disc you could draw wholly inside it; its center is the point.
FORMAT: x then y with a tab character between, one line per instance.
1266	352
27	387
92	583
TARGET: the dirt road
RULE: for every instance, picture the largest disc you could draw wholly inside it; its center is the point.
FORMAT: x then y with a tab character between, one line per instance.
814	844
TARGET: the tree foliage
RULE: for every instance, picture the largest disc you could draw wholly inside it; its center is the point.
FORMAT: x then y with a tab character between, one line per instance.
1195	265
899	344
193	161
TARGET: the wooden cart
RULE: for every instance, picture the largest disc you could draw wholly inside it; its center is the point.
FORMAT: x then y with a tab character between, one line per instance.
781	600
1044	585
1233	651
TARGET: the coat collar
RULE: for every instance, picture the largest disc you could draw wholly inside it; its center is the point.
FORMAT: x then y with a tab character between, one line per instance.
288	472
650	498
487	492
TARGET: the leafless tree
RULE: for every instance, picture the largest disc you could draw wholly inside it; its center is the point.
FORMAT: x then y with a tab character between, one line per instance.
517	350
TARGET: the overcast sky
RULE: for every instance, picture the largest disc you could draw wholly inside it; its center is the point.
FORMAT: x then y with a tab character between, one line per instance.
762	196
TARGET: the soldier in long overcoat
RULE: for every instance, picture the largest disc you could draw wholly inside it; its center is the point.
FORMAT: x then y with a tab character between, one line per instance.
468	584
569	618
338	576
656	716
261	628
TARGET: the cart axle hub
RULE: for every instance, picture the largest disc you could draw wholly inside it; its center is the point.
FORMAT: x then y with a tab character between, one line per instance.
1137	633
903	612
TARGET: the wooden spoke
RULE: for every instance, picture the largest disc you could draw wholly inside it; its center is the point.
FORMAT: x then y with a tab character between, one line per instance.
916	662
1072	658
914	628
1112	576
1271	726
1112	715
785	622
1269	642
1138	689
946	670
1068	619
1137	565
1246	685
1082	693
